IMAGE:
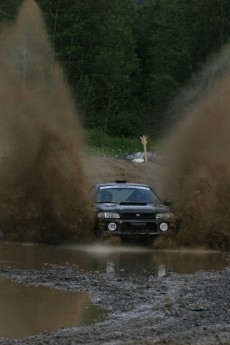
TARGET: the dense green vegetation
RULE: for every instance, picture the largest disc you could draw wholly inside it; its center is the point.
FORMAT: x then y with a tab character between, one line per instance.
125	61
103	144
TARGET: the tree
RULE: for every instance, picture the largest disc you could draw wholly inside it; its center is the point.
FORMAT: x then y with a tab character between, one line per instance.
175	38
126	59
8	9
96	45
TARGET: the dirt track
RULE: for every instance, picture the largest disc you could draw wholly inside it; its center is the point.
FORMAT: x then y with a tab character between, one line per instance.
103	169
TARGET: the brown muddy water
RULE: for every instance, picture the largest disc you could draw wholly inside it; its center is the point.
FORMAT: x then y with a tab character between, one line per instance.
43	188
30	310
120	260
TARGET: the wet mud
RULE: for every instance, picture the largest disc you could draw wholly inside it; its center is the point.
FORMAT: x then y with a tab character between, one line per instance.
176	309
42	184
197	172
44	181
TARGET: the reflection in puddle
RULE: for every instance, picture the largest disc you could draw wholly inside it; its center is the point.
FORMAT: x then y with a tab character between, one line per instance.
144	261
30	310
113	259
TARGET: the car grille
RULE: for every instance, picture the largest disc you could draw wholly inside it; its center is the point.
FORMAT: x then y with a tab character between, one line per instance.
128	228
138	215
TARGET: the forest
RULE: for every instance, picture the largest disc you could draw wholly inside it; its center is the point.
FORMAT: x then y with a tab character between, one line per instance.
126	60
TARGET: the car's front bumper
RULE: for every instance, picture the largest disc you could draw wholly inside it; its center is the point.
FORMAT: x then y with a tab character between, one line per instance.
129	227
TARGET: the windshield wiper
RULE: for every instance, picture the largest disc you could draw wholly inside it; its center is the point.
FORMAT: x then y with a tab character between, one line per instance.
106	202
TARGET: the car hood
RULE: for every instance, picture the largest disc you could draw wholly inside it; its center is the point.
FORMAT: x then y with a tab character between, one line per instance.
113	207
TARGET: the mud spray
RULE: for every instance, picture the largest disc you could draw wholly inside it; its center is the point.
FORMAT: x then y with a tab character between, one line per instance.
42	187
198	153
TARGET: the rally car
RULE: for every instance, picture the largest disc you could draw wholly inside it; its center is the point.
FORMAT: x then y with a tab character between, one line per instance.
131	210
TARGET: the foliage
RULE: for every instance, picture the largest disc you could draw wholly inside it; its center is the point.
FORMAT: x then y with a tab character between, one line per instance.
97	48
126	59
103	144
175	38
8	9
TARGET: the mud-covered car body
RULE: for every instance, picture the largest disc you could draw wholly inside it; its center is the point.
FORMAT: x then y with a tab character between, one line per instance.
131	210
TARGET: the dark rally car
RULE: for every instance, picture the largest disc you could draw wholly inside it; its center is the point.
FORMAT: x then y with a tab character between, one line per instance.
131	210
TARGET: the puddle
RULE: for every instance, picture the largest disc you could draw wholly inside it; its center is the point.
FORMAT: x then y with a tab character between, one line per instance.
27	310
113	259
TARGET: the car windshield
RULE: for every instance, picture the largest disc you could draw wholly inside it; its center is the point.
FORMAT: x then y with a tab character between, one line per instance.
129	194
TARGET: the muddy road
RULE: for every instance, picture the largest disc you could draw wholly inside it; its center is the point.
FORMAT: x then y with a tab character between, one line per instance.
140	309
175	309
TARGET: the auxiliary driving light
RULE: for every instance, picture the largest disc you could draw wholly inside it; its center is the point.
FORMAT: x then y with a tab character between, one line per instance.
112	226
164	226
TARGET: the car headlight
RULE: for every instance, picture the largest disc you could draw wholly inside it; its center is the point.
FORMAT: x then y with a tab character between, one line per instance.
166	216
108	215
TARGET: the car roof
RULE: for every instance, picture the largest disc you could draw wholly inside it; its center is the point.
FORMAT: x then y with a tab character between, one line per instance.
121	184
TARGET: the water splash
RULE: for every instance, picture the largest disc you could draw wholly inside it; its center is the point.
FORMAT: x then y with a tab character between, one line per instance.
198	151
42	186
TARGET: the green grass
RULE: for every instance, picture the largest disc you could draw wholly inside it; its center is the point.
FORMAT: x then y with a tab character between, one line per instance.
102	144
